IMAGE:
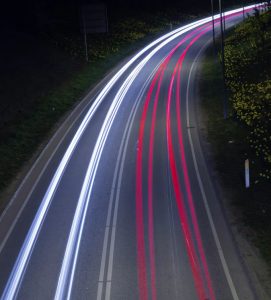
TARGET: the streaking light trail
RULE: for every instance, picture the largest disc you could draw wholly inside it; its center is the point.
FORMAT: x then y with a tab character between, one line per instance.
69	262
65	281
139	200
16	276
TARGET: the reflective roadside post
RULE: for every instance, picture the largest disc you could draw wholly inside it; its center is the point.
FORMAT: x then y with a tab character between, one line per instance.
247	177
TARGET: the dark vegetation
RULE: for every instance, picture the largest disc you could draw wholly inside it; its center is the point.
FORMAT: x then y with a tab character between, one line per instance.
43	74
246	133
248	77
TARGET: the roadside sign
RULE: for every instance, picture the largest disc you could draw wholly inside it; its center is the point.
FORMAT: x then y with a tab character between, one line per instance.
93	19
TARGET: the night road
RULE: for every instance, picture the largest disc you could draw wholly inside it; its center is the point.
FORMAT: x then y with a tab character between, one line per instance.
120	204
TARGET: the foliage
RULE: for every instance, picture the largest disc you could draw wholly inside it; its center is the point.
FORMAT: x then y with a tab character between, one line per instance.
121	33
247	70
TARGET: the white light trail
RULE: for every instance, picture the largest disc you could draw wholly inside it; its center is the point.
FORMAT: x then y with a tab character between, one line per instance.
68	266
69	262
18	270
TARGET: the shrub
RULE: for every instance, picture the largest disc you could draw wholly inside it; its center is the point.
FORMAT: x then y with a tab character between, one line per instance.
247	71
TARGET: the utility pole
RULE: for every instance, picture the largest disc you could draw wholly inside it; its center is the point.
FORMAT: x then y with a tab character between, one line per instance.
225	108
213	21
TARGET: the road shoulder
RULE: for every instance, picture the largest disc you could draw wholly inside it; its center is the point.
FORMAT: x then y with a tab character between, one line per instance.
243	235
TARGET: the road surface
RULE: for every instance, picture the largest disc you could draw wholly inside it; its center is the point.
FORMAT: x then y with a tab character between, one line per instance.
120	204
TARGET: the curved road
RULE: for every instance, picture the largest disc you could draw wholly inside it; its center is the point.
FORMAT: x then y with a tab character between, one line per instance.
120	204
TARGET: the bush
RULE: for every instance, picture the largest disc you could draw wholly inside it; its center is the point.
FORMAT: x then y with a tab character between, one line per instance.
247	69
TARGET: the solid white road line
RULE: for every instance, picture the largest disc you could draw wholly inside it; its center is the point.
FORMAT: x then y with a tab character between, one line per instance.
204	197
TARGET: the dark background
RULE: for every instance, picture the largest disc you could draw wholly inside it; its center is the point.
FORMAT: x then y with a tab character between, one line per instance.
31	14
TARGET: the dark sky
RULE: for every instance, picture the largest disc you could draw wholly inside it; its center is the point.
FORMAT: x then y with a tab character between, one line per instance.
26	7
30	12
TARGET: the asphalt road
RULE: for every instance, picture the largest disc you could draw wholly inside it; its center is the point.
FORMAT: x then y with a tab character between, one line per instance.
120	204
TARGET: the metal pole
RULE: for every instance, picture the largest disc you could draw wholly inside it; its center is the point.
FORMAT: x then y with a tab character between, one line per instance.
85	37
223	60
106	17
213	21
221	26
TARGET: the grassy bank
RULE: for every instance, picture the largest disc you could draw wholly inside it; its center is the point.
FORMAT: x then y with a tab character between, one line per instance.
230	141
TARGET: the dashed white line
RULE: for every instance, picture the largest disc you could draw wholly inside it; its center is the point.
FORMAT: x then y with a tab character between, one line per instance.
119	168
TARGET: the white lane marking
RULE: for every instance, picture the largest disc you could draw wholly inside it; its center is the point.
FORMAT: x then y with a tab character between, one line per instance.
120	162
108	289
72	248
205	201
